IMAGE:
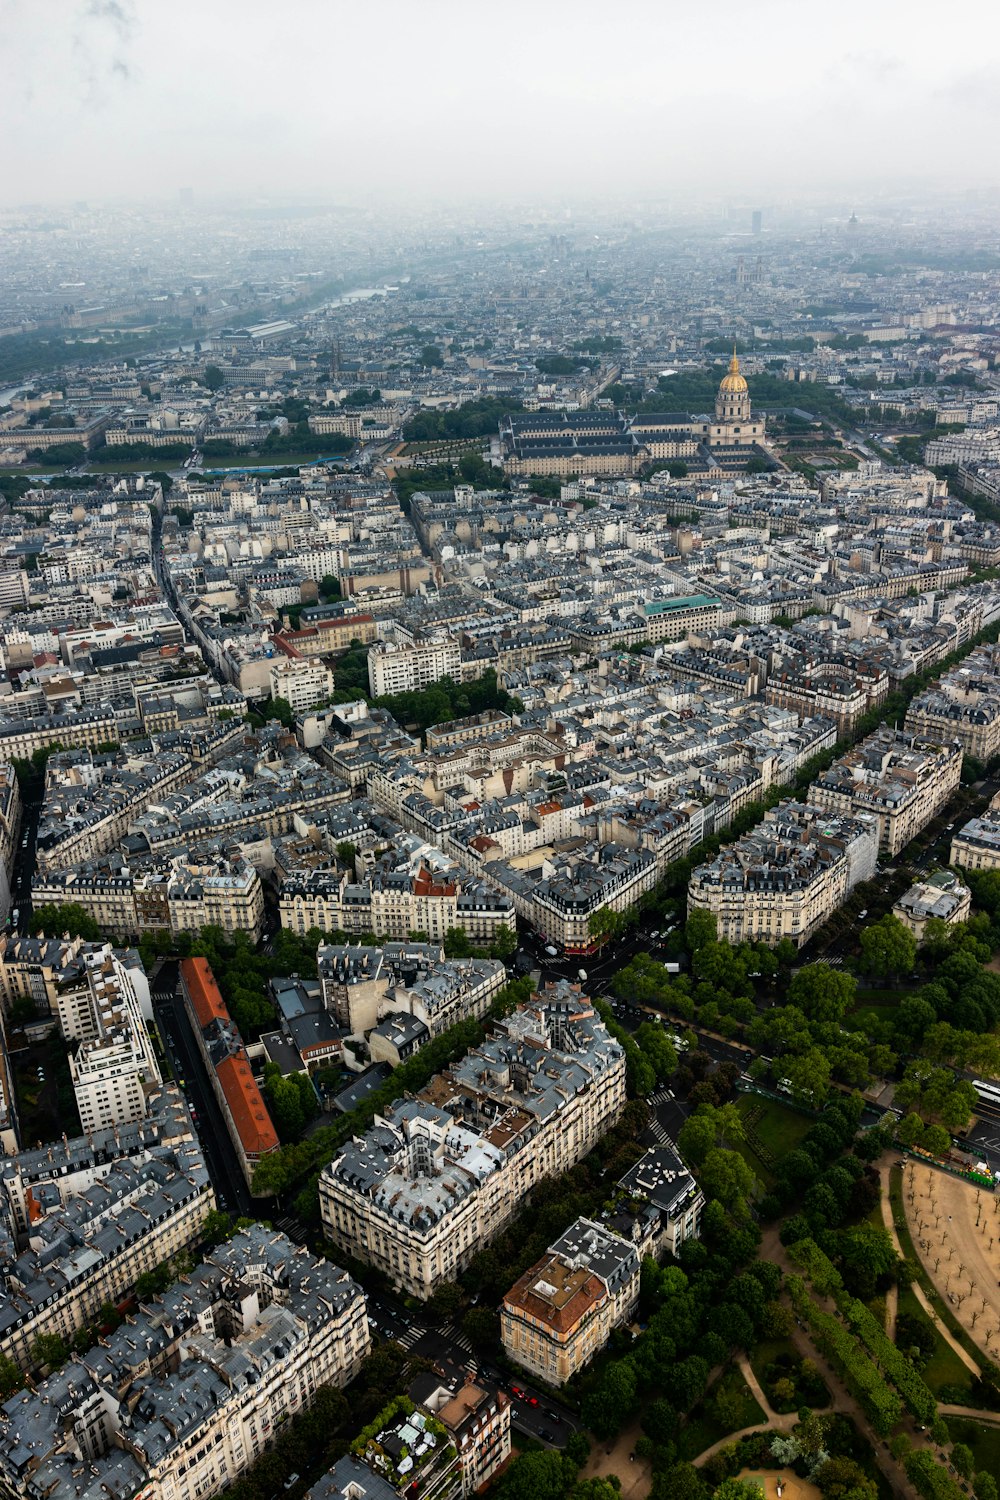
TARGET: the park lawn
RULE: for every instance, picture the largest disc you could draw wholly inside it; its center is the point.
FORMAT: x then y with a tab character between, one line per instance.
781	1128
213	461
703	1427
944	1368
861	1018
753	1161
983	1440
767	1351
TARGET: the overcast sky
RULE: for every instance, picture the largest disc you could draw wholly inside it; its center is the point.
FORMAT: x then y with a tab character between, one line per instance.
403	98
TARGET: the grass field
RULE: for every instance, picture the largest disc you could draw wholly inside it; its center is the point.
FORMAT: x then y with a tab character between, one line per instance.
984	1442
944	1368
777	1127
727	1407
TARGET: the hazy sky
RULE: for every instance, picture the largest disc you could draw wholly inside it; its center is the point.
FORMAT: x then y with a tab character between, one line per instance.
380	98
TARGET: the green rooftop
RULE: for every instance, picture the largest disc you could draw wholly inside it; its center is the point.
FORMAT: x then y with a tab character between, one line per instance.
688	601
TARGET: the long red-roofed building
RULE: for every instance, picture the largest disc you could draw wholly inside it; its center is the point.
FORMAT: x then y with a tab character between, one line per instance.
242	1104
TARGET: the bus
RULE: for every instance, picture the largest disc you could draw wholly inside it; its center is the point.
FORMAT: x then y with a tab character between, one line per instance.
989	1093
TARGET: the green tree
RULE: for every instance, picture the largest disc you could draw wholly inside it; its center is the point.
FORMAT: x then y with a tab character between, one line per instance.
910	1129
49	1349
868	1254
888	948
821	992
607	924
431	357
216	1229
504	944
280	709
699	929
446	1300
809	1077
660	1052
11	1378
72	918
726	1176
456	943
963	1459
481	1327
534	1476
213	377
936	1140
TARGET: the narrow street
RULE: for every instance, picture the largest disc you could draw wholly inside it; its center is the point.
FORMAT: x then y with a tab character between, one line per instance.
230	1187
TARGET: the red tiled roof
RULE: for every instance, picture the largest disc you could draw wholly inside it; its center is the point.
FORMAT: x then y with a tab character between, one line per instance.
246	1105
206	998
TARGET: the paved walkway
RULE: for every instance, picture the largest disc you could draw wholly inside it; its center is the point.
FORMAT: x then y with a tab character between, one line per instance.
772	1249
636	1475
757	1390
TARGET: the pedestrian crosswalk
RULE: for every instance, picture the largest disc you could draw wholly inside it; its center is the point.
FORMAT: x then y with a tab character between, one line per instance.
658	1133
412	1336
456	1336
662	1096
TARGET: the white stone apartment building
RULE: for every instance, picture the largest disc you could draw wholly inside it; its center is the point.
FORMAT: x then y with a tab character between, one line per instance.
393	904
976	845
114	1067
785	877
79	1245
396	668
216	891
943	898
963	705
300	681
898	778
182	1399
438	1176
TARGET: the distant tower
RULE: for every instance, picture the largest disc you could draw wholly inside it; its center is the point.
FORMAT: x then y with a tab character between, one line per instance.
755	221
852	224
732	404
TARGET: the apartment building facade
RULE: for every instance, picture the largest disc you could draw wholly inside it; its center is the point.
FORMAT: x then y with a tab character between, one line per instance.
183	1398
563	1310
785	877
898	778
83	1246
438	1176
404	668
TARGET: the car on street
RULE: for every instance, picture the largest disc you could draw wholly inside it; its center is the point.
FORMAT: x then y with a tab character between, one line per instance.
545	1435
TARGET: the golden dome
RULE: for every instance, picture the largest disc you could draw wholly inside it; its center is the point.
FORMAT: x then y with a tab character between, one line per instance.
734	380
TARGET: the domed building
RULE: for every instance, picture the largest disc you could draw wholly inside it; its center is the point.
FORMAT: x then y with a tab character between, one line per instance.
605	442
734	426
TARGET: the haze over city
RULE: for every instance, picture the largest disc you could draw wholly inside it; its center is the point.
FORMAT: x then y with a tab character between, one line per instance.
499	751
113	99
